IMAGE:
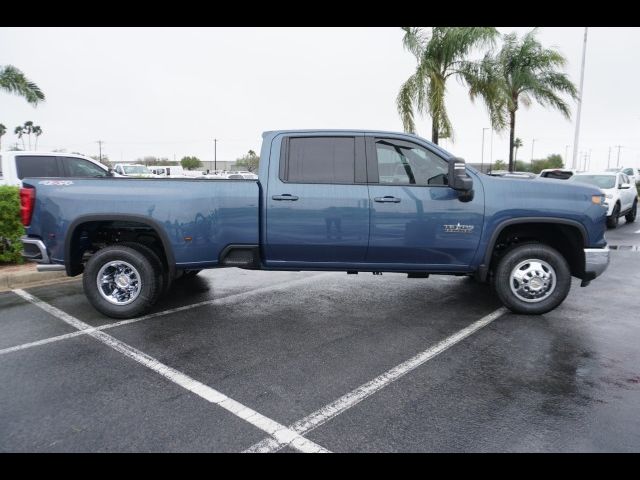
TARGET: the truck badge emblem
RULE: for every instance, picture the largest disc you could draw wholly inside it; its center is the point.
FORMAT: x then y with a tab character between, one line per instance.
458	228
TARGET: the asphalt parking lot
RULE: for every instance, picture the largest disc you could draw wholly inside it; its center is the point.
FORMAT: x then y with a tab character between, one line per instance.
236	360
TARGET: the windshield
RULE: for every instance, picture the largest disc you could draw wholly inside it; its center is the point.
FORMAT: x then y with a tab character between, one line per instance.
600	181
135	169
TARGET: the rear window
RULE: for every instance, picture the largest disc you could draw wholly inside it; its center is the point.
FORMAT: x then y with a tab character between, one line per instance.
559	174
36	166
321	160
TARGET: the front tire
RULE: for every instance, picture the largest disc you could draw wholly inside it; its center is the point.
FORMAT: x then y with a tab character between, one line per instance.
121	281
532	279
631	216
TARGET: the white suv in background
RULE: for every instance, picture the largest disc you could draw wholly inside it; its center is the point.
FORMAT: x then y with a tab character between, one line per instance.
621	196
632	173
14	166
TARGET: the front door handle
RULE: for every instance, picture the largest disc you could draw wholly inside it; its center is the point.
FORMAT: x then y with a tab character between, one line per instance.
285	196
387	199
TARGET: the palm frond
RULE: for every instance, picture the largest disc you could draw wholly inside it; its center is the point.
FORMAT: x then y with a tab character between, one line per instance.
12	80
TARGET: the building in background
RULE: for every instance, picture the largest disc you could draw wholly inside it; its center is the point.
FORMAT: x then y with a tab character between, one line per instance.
220	164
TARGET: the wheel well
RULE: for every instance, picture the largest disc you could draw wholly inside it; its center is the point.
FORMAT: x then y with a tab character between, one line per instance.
89	237
566	239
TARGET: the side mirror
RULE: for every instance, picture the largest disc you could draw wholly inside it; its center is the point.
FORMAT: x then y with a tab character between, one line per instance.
110	172
458	178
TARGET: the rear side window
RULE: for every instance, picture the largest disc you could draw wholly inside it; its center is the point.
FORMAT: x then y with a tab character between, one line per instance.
77	167
320	160
36	166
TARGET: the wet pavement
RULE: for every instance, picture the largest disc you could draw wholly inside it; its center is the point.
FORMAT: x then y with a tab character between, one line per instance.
289	344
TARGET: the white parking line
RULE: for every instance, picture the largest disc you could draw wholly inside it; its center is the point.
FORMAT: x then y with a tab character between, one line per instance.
218	301
354	397
280	433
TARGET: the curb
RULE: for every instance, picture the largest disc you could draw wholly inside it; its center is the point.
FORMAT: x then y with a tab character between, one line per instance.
12	280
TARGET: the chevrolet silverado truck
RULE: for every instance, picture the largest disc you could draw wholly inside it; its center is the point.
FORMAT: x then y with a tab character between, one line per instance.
324	200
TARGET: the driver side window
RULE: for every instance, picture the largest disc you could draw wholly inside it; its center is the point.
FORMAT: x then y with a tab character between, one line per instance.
403	163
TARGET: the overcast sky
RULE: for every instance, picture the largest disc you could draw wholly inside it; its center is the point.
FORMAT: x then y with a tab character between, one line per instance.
171	91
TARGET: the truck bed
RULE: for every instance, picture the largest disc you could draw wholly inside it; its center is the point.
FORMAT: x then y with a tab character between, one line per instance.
198	218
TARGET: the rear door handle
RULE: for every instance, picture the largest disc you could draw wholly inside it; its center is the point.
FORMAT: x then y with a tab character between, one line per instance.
285	196
387	199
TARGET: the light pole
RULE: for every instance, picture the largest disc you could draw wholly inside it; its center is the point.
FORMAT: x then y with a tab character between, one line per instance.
533	142
577	134
566	153
482	155
215	154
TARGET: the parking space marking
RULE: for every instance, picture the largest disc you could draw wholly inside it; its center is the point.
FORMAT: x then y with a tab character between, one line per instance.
326	413
218	301
280	433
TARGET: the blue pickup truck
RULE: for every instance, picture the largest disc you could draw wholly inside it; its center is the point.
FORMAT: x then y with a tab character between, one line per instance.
333	200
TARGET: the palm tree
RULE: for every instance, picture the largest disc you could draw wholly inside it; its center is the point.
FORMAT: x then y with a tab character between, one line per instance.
517	143
521	72
439	56
18	131
3	131
28	130
37	131
13	80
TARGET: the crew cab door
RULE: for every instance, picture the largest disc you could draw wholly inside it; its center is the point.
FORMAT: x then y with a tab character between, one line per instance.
317	201
415	217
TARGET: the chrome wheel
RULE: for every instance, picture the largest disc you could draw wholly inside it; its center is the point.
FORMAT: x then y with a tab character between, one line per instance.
119	282
532	280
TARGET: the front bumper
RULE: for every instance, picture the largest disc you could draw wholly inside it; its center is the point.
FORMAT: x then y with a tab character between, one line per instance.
596	261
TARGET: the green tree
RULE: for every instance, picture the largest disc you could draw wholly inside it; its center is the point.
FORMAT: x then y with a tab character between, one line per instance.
250	161
552	161
3	131
190	163
19	132
522	71
13	80
499	165
150	161
37	131
440	55
517	143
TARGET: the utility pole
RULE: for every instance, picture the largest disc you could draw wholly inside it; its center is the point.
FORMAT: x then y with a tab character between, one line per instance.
491	150
575	140
482	154
215	154
100	142
618	161
609	158
533	142
566	154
